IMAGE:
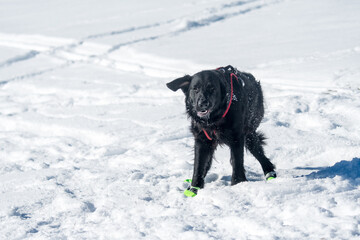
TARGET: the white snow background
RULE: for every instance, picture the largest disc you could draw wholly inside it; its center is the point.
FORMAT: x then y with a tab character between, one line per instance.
94	146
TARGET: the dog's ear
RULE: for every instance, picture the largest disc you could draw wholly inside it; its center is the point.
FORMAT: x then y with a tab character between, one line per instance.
183	83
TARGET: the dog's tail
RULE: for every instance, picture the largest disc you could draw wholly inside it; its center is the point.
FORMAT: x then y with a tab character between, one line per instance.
255	138
262	138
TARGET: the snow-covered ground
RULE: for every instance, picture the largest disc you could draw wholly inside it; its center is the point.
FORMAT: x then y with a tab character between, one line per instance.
94	146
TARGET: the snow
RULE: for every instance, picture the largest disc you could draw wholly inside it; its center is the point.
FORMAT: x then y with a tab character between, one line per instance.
94	146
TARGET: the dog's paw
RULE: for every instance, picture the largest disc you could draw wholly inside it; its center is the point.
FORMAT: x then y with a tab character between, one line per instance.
270	175
235	181
191	191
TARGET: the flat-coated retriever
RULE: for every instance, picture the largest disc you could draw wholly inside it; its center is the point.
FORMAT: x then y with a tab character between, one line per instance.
225	107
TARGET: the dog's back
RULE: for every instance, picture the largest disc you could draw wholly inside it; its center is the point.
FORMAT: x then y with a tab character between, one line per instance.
255	100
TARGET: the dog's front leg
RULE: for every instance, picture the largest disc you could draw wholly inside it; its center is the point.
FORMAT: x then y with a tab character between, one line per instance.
204	151
237	160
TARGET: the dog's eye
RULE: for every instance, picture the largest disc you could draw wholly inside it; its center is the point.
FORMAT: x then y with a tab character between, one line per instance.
211	89
196	89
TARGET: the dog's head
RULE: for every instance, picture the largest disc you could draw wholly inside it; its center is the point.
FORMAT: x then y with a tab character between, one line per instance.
205	93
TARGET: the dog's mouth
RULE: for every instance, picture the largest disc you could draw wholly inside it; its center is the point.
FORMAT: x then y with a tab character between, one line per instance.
203	114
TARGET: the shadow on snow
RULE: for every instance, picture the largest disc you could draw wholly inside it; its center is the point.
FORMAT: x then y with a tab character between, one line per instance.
349	170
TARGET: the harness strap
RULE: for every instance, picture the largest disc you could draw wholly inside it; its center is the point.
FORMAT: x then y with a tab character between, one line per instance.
231	93
207	135
230	101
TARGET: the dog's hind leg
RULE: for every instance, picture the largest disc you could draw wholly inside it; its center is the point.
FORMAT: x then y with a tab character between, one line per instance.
255	142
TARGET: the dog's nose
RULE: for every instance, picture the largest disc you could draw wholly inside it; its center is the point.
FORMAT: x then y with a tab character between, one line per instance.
203	104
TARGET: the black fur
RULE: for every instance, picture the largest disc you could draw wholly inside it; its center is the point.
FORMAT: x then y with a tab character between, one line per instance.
207	95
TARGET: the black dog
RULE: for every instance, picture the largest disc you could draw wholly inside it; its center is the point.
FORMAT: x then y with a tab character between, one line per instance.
225	107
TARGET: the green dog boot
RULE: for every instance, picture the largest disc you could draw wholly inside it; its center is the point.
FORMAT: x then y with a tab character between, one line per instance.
270	175
190	191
